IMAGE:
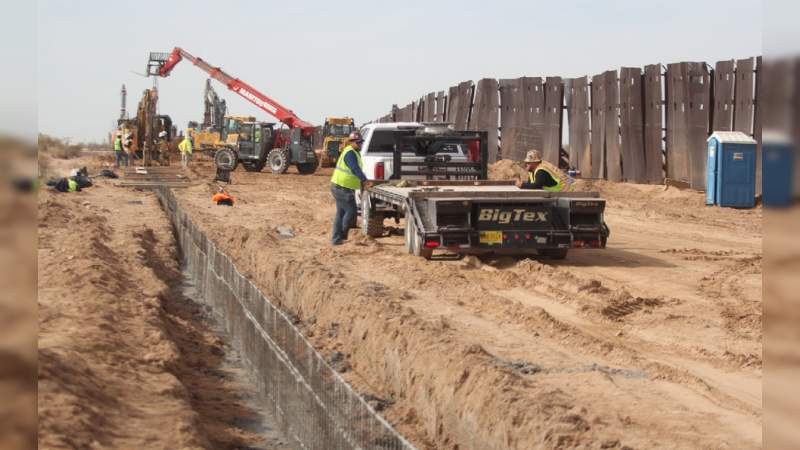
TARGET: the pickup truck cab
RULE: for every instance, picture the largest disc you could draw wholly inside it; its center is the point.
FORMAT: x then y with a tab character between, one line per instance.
380	140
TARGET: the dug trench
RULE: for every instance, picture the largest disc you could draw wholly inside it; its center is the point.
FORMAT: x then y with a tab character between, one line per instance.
625	348
128	358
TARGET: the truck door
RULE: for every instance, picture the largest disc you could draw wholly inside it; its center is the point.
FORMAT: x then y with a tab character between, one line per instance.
247	144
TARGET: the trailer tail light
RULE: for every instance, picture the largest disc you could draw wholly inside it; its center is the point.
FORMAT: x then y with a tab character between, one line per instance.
595	244
474	150
578	244
527	236
431	244
379	171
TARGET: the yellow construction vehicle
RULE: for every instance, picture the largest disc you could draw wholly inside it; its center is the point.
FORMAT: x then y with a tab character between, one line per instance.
334	133
215	138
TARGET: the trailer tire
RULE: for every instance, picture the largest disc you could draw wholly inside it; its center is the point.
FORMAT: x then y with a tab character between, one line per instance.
306	169
278	160
371	220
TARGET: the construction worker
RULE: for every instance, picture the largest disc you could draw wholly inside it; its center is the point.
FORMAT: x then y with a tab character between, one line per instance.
543	175
347	178
119	153
185	148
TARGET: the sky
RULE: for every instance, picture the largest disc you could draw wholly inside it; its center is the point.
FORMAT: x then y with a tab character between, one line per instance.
353	58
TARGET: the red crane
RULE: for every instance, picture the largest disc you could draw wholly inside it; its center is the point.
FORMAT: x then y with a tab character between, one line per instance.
161	64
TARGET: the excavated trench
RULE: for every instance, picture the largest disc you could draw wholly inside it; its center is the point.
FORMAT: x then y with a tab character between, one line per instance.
310	403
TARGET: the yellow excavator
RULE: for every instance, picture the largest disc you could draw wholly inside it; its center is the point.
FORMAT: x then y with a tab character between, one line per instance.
334	133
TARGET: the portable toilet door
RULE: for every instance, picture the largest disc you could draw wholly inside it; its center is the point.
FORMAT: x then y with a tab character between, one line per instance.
711	171
735	164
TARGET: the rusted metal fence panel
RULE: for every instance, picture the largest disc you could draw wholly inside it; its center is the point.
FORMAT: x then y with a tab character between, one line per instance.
677	122
632	124
430	107
723	89
598	89
576	92
743	113
699	122
460	103
553	113
484	113
441	107
653	124
406	113
613	157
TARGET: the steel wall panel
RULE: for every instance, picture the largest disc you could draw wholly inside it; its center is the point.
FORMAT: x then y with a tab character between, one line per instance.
743	113
430	107
613	157
632	124
460	103
484	113
553	112
598	147
677	122
576	91
724	82
699	122
653	124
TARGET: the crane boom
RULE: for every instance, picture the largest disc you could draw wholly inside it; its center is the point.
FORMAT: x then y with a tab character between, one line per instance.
161	64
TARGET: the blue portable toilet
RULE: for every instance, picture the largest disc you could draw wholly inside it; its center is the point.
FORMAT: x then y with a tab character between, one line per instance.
731	171
777	167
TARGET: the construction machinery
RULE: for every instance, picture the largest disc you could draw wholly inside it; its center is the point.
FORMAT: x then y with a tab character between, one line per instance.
148	137
296	150
334	138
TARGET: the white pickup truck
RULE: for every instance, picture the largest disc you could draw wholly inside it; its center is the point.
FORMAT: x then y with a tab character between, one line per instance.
380	139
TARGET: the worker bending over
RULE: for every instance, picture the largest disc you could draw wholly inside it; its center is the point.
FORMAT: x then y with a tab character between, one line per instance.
543	175
345	181
186	151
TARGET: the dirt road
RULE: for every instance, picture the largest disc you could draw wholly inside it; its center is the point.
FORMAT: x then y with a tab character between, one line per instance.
125	361
653	342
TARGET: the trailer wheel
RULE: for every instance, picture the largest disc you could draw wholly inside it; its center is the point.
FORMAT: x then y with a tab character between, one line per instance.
278	160
554	253
306	169
371	220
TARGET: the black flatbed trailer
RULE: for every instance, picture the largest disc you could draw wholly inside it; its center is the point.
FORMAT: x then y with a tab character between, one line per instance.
466	214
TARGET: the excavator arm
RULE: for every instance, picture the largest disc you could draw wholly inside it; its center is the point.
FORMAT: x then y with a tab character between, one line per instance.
161	64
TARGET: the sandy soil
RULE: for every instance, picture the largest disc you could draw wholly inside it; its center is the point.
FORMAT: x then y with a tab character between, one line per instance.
124	360
653	342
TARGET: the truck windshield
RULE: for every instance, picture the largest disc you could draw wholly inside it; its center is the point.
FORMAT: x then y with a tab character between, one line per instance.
384	141
339	130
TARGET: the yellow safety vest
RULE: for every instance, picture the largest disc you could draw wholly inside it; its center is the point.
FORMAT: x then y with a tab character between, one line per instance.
564	183
185	146
72	185
342	175
117	144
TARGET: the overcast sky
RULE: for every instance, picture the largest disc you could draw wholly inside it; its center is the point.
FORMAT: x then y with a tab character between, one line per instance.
351	57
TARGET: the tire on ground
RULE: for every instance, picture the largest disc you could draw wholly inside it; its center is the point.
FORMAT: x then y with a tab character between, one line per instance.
226	159
306	169
371	220
278	160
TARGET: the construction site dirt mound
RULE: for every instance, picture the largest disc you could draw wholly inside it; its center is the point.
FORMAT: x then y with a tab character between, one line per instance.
653	340
507	169
124	360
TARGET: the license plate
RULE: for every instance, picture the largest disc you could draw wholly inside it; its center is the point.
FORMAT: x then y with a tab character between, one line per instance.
491	237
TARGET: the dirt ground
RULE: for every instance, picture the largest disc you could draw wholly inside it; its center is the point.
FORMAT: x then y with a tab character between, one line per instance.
653	342
124	360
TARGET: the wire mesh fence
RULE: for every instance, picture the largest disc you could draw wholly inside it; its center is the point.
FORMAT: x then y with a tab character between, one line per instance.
313	405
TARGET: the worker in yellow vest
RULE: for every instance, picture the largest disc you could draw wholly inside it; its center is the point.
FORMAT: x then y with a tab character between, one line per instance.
543	175
186	151
119	152
345	181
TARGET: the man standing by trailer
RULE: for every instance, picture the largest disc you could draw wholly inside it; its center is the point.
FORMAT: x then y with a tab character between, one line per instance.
346	180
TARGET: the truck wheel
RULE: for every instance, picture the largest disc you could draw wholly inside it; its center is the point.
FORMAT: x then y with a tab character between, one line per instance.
306	169
414	241
278	160
371	220
554	253
226	159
